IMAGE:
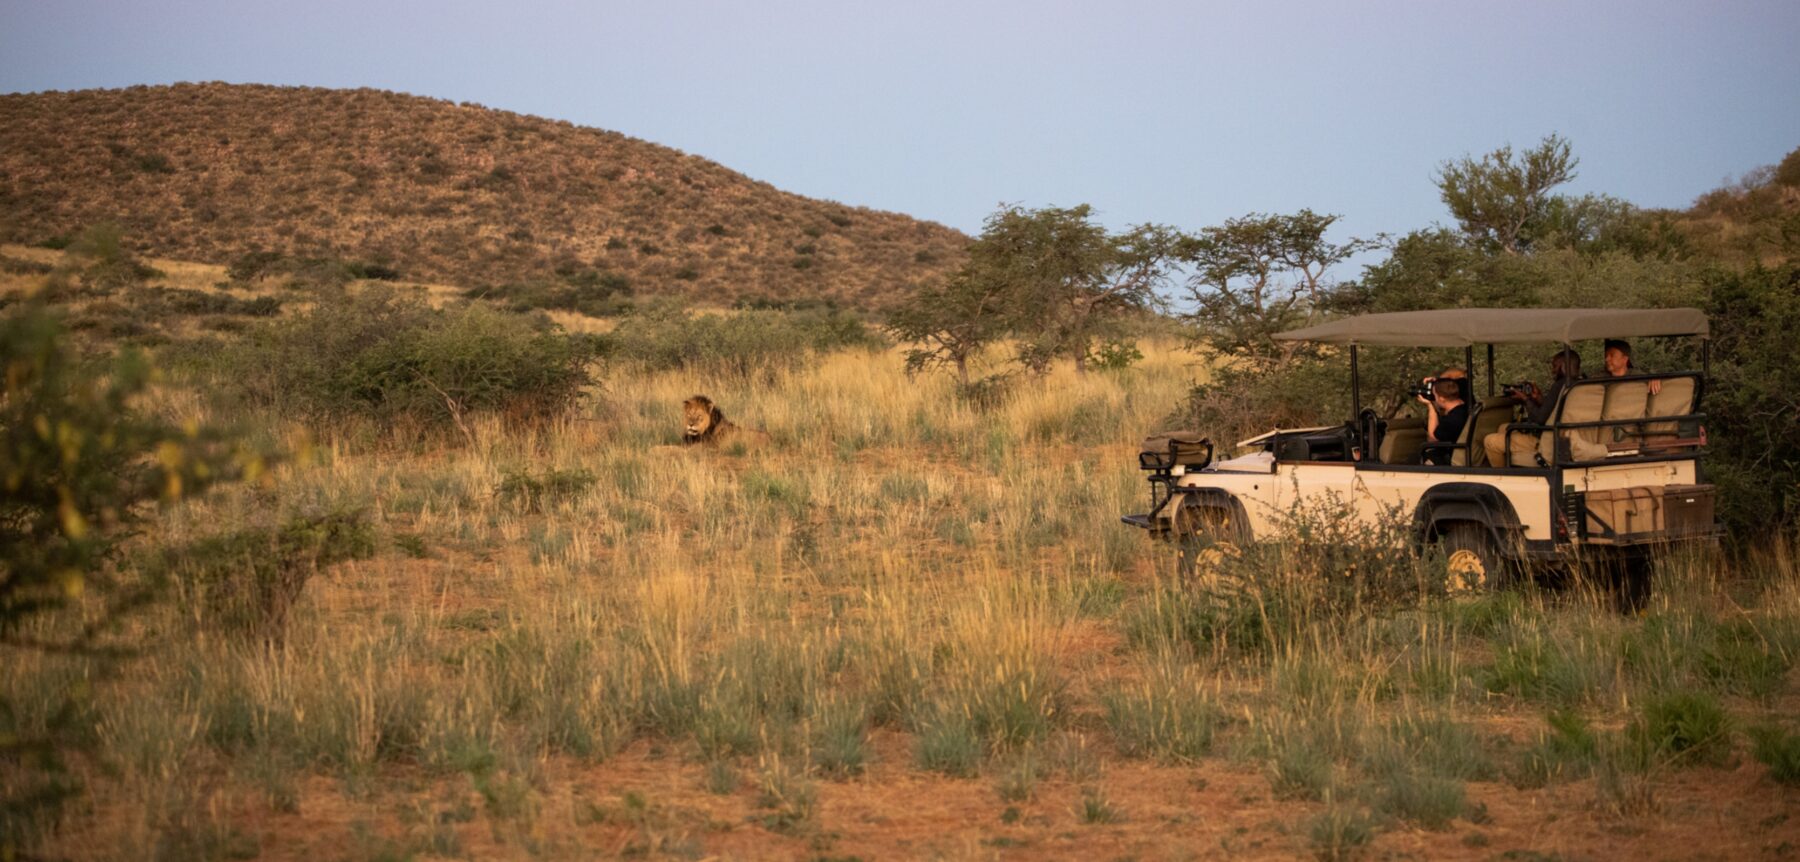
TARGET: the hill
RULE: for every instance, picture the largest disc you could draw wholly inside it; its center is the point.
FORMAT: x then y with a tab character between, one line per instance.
436	191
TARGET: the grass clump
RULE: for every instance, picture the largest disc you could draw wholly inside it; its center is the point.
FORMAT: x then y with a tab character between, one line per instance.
1684	725
1096	808
1167	717
947	742
787	798
840	743
1339	832
1779	750
1567	749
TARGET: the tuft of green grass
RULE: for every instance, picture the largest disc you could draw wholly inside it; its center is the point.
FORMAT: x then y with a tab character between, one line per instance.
1339	832
1779	750
1299	768
1684	726
1097	808
947	742
721	777
787	797
840	744
1432	744
1428	801
1018	780
1567	749
1167	717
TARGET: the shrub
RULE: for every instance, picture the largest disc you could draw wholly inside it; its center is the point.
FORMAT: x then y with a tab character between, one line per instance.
665	336
591	292
165	301
377	354
103	261
247	581
529	492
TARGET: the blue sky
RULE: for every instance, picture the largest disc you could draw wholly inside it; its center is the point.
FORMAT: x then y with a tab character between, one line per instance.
1181	113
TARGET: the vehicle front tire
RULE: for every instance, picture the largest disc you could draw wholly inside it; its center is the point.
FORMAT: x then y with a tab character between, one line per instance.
1203	535
1474	561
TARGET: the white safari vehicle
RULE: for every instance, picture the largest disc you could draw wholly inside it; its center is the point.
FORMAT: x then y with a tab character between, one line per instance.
1615	478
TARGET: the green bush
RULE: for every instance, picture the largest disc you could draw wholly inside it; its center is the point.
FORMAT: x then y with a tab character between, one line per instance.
380	355
1751	416
665	336
590	292
100	258
169	301
247	581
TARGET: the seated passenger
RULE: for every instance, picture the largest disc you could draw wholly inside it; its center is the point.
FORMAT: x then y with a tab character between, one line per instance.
1445	416
1619	364
1565	366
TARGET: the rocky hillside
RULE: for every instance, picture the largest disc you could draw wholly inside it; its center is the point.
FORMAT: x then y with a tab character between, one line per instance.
438	192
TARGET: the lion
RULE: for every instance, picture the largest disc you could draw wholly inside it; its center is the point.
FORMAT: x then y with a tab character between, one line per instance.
706	423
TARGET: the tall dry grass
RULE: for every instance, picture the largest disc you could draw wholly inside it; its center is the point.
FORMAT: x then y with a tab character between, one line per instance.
892	561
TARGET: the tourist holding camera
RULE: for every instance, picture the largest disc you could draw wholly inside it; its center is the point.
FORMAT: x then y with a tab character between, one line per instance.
1565	367
1445	415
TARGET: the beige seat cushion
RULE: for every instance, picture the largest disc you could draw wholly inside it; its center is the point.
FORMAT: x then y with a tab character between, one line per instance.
1675	399
1460	457
1630	400
1402	445
1581	403
1495	412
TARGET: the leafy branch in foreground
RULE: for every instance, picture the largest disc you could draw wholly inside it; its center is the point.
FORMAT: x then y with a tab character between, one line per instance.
80	467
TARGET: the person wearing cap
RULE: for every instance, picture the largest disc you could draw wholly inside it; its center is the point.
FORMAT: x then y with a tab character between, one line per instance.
1618	362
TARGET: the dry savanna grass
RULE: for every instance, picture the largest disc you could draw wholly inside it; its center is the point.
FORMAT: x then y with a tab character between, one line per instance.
907	627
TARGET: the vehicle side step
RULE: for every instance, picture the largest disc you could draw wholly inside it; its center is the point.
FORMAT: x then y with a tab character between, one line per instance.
1144	521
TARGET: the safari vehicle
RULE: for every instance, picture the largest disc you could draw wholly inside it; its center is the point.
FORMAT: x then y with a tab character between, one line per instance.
1616	477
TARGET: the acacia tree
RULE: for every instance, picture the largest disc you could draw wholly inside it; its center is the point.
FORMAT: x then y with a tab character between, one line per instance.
1498	200
949	322
1050	277
1258	275
1065	280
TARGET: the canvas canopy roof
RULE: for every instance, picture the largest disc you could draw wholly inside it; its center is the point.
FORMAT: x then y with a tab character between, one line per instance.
1460	327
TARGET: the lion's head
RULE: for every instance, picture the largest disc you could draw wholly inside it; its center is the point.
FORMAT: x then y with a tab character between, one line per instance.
701	416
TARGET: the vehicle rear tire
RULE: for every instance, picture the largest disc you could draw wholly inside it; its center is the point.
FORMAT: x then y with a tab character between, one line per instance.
1631	582
1473	559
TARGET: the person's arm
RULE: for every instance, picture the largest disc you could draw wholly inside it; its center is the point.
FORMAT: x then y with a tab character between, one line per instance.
1431	420
1539	413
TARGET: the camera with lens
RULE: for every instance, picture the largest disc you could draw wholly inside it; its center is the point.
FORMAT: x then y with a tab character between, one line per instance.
1521	391
1424	390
